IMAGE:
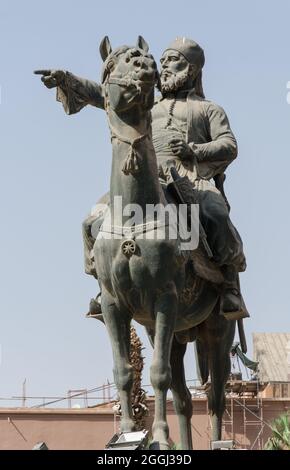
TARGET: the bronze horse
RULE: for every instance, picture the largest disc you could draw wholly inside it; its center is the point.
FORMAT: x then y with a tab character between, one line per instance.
149	278
145	279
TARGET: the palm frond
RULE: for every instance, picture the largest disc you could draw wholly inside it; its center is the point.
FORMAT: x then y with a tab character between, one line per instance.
280	439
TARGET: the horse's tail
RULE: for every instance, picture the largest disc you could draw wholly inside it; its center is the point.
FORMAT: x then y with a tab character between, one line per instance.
202	357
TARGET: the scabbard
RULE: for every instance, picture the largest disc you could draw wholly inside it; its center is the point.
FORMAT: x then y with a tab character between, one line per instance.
181	189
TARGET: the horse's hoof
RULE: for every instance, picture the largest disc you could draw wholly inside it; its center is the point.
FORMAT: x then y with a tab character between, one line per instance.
158	445
154	445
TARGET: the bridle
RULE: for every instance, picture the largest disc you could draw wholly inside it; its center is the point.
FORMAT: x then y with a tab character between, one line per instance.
133	159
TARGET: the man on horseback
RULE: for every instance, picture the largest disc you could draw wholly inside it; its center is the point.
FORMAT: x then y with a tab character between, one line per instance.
194	135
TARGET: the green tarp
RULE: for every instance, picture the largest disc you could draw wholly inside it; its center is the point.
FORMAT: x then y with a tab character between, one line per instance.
246	361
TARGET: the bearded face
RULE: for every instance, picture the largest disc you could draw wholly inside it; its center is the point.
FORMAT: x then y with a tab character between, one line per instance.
171	82
175	71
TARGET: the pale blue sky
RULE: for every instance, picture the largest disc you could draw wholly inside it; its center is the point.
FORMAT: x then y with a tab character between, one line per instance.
54	167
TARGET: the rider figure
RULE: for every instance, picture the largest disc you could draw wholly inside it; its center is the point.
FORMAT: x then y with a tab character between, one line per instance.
195	134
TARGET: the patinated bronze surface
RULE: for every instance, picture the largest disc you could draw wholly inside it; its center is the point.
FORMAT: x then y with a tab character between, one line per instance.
178	296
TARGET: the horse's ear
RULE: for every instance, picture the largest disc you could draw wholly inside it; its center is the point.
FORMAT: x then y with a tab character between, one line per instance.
142	44
105	48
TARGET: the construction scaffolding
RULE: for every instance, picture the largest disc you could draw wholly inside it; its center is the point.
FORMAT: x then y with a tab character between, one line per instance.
244	401
244	411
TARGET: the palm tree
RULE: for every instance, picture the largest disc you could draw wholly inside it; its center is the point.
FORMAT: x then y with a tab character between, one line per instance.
280	439
139	404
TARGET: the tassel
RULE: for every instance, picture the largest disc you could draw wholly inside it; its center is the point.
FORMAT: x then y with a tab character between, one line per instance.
131	165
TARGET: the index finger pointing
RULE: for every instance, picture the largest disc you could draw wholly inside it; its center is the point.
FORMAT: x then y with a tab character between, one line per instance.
44	72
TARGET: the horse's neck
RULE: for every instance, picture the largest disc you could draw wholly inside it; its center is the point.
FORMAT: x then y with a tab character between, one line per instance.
143	187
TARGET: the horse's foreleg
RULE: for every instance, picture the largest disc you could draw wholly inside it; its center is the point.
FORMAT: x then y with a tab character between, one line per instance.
181	394
118	325
160	371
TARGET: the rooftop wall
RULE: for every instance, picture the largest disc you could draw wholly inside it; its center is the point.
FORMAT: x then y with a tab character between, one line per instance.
92	428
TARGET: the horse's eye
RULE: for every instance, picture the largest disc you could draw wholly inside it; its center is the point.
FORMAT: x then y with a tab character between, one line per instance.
110	65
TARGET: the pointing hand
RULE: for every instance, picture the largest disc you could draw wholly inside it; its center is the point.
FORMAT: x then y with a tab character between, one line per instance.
51	78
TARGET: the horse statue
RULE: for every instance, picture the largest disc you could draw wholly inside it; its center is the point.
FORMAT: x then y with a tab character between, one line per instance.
145	278
144	275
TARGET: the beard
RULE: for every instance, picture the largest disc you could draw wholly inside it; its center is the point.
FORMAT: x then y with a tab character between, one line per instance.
173	82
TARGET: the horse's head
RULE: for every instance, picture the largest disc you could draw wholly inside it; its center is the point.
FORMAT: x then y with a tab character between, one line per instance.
129	75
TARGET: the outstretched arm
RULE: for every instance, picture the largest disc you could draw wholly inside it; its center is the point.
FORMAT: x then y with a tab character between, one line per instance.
73	92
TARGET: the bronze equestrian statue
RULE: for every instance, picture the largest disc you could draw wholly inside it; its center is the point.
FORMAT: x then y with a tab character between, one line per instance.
142	271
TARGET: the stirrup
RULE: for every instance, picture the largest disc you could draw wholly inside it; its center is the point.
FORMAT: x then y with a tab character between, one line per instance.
95	310
237	314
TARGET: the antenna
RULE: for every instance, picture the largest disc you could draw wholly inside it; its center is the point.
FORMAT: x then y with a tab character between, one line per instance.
24	393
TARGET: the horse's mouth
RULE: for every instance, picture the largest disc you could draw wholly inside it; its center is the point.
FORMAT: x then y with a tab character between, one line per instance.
145	76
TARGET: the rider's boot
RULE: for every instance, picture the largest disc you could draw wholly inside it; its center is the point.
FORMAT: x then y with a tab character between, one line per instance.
232	304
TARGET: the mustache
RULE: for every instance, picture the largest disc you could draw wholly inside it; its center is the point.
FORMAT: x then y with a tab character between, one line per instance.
166	72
